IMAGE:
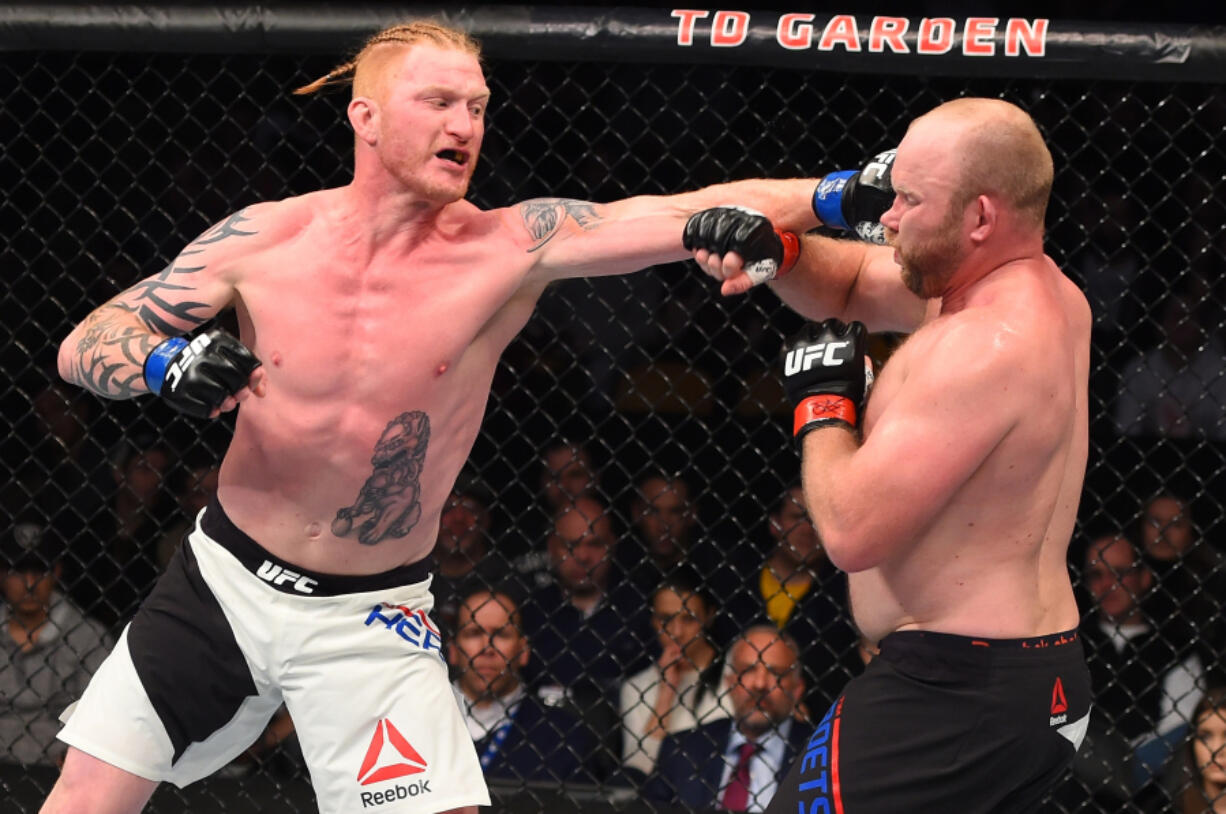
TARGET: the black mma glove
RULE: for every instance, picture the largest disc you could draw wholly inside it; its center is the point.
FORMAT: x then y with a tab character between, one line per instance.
856	199
827	375
768	253
195	376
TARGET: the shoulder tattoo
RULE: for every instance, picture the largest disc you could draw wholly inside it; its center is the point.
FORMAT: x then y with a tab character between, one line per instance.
543	217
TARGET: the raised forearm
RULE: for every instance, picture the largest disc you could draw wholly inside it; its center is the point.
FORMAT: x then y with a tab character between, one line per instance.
106	353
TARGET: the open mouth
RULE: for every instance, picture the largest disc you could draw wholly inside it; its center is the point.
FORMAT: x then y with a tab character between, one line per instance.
456	157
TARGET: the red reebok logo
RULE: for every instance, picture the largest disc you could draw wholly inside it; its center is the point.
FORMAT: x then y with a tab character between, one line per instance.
1058	702
388	739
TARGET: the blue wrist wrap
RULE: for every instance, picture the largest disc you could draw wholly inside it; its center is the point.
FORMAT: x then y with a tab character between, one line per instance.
828	199
158	360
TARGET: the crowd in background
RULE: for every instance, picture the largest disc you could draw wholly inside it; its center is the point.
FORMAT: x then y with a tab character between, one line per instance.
613	638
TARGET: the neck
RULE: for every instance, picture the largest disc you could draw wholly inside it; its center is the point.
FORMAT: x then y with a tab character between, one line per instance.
587	600
485	700
700	655
385	213
787	568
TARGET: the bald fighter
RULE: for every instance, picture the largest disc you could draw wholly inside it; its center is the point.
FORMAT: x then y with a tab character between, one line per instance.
371	320
950	495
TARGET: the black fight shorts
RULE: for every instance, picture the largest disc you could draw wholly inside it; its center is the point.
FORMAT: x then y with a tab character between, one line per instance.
939	724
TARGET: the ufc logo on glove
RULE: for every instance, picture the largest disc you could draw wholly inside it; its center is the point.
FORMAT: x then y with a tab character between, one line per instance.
804	358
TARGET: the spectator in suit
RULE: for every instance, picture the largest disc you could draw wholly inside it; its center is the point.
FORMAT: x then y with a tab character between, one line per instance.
51	649
582	629
682	689
736	763
1145	675
1189	573
464	550
517	735
800	591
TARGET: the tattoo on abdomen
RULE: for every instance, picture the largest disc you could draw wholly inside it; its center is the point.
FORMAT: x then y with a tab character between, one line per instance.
544	216
390	500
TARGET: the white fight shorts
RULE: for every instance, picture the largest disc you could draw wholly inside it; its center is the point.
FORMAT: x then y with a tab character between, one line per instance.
230	632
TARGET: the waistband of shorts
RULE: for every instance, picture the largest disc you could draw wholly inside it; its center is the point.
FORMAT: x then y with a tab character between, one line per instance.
953	641
288	578
945	656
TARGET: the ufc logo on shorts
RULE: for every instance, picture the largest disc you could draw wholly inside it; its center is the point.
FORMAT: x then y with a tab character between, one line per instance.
189	354
277	576
804	358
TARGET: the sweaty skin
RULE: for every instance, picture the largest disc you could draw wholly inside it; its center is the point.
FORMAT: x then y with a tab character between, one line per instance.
379	310
953	511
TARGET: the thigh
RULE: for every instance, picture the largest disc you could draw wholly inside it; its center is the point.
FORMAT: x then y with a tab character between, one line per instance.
89	784
375	713
176	699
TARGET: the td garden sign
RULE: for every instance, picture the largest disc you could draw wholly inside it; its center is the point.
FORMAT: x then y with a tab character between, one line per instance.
969	36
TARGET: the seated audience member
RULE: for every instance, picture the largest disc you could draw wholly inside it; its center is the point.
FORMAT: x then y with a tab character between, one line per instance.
802	593
1144	675
463	553
193	485
52	647
1178	389
682	689
581	630
566	476
1190	575
666	536
1199	784
736	763
517	736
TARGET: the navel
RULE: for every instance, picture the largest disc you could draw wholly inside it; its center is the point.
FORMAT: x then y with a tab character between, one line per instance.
313	529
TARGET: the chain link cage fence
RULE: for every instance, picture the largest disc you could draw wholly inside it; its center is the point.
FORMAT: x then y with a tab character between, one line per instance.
648	395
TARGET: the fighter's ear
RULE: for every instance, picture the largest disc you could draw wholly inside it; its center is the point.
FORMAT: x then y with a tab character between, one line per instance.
364	117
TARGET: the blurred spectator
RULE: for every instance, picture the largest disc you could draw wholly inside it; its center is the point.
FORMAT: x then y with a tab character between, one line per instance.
801	592
736	763
665	525
566	475
682	689
1177	390
581	630
119	576
193	484
463	551
52	651
517	736
1144	675
1200	781
1190	574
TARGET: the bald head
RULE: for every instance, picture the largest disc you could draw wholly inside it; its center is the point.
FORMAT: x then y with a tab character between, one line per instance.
997	151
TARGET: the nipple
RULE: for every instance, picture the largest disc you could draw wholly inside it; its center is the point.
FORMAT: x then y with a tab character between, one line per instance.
442	368
276	358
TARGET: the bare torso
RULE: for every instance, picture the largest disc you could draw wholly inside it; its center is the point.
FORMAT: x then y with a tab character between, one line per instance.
993	562
379	368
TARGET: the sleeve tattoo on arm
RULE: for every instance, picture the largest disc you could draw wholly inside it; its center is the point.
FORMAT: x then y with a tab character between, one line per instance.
155	302
543	217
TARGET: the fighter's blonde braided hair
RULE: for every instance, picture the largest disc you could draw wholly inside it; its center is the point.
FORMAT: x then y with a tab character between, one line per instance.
405	34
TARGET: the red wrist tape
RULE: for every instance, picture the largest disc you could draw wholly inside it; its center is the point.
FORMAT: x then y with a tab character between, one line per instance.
791	252
823	407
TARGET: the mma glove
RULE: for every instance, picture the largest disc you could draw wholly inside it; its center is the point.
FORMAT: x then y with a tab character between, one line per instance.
827	375
856	199
768	253
195	376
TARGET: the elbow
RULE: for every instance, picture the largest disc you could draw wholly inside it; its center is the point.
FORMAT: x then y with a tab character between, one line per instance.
852	550
63	359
